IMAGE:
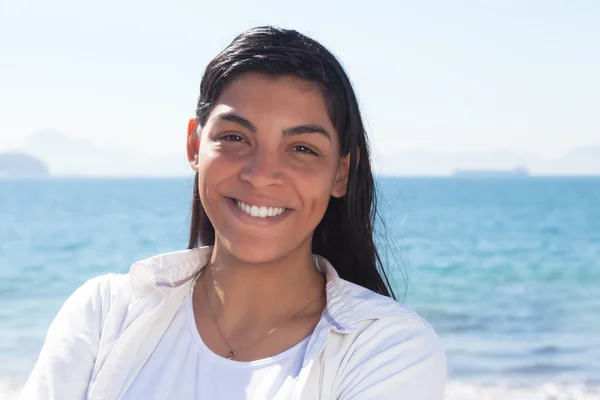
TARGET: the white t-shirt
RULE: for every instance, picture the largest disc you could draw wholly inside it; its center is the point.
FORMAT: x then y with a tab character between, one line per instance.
182	367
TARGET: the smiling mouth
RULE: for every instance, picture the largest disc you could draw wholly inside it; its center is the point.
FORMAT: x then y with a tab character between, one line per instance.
259	211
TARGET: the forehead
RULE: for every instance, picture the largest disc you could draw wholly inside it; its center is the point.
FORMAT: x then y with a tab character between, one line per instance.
286	99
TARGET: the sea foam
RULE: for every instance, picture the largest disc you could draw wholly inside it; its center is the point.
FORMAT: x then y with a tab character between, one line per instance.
547	391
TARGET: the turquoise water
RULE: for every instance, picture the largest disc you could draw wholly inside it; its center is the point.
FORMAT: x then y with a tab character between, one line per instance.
507	271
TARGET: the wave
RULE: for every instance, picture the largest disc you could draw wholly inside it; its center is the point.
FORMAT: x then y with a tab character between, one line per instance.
10	389
455	390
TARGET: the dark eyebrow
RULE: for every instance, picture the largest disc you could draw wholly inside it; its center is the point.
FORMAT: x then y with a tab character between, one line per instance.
231	117
297	130
302	129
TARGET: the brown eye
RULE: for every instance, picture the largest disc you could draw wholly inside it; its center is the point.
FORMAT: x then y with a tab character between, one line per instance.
303	149
233	138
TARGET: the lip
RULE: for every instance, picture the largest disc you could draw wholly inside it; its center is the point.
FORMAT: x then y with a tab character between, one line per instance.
267	221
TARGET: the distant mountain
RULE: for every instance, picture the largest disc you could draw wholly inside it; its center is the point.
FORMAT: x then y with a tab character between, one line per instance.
20	165
79	157
579	161
423	162
68	156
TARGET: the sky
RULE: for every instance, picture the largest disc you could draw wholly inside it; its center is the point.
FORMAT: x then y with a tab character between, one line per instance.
430	75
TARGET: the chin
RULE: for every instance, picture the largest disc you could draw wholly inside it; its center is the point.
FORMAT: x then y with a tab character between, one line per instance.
256	254
259	250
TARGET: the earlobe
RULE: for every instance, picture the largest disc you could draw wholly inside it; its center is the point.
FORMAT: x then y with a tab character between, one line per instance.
339	190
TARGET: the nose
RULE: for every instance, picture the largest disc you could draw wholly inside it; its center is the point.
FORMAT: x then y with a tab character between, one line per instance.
262	169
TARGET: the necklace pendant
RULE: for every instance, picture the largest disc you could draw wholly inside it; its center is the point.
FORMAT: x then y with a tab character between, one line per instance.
231	354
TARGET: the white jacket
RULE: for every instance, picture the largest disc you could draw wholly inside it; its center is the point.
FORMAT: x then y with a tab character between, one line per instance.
365	346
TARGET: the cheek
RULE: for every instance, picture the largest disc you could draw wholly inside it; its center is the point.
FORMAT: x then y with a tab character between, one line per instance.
314	188
213	166
212	171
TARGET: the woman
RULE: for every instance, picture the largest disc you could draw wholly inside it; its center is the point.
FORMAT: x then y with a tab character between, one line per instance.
287	297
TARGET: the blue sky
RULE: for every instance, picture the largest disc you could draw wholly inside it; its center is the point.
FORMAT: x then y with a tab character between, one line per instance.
430	75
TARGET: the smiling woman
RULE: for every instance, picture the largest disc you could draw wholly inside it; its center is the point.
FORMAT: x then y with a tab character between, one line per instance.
281	293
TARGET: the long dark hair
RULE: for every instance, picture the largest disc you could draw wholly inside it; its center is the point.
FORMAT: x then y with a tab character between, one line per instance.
345	235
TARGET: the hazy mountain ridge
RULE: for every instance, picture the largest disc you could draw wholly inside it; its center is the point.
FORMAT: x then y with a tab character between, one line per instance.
21	165
578	161
70	156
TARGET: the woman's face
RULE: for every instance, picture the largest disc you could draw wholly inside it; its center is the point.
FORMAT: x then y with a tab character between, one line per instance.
268	161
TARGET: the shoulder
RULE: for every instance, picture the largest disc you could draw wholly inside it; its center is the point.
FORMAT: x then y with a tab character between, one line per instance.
67	358
394	350
384	324
412	337
94	298
102	287
379	324
105	284
394	358
368	305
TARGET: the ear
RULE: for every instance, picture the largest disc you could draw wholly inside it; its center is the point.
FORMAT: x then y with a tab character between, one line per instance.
193	143
340	185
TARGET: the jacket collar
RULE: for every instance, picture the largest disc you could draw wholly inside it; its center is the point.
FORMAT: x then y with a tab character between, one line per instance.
346	305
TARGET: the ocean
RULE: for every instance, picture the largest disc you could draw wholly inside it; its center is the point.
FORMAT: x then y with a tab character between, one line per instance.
506	270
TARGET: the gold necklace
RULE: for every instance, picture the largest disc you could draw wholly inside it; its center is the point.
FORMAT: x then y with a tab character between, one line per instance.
232	352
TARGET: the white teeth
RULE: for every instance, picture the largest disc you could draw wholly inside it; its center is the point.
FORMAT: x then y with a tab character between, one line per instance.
260	212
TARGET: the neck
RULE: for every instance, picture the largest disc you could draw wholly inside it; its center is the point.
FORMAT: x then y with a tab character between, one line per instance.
253	293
